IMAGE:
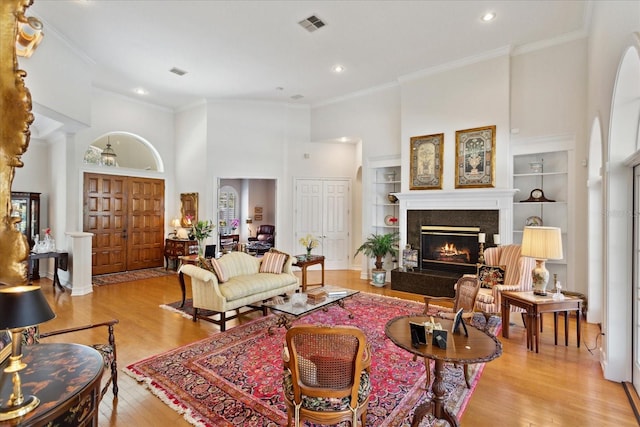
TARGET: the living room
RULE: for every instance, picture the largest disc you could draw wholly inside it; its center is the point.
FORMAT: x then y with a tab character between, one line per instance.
533	94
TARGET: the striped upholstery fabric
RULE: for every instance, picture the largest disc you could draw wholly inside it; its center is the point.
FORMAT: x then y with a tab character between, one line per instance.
272	262
219	270
518	277
252	284
238	264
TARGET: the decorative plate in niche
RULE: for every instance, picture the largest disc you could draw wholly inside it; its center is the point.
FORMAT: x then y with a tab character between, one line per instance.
533	221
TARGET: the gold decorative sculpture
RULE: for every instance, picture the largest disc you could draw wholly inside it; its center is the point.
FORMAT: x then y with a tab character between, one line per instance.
15	116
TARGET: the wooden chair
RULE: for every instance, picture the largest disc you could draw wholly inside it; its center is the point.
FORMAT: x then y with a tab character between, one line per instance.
33	336
326	377
467	289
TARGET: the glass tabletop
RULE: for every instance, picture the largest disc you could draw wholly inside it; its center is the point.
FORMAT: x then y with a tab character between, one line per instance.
298	304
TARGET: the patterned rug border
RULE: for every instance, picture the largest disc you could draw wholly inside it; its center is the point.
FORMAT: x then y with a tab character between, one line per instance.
130	276
403	409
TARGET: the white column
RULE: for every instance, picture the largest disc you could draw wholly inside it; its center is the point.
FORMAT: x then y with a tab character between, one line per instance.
80	262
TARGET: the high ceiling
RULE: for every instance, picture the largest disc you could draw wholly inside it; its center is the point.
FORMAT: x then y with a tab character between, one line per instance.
257	50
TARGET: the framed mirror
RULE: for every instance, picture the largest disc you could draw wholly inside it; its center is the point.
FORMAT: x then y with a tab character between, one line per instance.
188	209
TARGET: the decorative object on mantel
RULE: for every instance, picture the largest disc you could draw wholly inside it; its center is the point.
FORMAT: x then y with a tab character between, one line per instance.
496	239
541	243
475	157
533	221
537	195
378	246
425	160
481	240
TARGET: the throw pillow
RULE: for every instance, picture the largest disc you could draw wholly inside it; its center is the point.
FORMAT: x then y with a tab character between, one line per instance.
205	263
218	270
491	275
286	255
272	262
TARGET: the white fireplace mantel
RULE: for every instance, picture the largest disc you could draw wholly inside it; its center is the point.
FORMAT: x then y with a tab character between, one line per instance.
477	199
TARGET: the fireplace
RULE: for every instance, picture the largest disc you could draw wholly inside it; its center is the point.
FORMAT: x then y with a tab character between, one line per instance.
449	248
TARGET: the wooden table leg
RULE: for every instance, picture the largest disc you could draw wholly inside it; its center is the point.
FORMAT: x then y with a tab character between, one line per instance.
304	279
537	325
322	265
566	328
56	278
505	318
578	325
436	406
182	287
555	328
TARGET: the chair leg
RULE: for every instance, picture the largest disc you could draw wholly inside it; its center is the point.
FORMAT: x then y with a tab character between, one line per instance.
114	377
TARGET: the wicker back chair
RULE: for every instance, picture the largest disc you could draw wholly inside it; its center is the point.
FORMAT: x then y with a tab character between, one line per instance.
326	377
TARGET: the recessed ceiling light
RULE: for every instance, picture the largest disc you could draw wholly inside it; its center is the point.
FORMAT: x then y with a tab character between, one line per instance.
489	16
140	91
338	68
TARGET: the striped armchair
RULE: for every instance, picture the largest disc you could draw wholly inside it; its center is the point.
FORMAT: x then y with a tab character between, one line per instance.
517	277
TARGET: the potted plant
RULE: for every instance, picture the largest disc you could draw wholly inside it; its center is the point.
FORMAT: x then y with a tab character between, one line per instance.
378	246
202	230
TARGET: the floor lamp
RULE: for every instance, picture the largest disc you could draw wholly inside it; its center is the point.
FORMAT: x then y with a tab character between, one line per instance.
541	243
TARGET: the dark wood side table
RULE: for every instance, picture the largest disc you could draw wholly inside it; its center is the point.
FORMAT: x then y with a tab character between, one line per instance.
66	379
175	248
535	305
304	262
478	347
60	260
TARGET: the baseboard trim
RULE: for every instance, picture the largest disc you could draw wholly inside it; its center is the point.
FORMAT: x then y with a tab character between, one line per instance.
634	400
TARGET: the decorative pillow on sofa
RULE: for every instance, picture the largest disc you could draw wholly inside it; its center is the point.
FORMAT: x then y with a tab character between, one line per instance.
214	266
272	262
491	275
286	255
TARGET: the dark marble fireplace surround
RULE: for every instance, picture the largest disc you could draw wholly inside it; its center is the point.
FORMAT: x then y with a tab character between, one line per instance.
437	282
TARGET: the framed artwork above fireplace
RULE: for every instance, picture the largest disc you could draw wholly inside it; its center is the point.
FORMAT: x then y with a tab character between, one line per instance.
475	157
426	162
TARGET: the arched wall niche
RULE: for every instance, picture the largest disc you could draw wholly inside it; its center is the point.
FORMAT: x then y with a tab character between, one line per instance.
133	151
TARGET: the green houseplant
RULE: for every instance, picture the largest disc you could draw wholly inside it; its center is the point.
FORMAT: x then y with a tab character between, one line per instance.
378	246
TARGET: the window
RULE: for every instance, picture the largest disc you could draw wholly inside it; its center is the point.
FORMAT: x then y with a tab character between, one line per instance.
228	210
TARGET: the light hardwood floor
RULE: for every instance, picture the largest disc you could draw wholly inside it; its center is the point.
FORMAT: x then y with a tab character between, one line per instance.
560	386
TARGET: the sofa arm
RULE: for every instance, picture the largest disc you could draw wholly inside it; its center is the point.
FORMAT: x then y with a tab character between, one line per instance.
204	287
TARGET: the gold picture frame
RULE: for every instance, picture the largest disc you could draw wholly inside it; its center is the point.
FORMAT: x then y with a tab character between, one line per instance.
425	162
476	157
188	209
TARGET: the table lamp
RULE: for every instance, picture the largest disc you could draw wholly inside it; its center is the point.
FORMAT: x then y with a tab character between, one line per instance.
541	243
20	308
175	223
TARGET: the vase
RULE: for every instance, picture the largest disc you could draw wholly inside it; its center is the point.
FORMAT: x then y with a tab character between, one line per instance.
201	246
308	253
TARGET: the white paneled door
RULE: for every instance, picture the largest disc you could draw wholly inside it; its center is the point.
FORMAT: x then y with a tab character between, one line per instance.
323	209
636	279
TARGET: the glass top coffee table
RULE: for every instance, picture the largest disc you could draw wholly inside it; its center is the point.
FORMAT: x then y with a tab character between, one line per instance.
299	304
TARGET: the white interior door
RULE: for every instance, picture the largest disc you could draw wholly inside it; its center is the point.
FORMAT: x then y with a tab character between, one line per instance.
636	279
323	209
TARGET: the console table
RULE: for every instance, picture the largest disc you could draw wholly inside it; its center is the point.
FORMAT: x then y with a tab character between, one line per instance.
60	260
66	379
175	248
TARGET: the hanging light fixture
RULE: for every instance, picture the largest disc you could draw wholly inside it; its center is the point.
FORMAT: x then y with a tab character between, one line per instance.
29	35
108	155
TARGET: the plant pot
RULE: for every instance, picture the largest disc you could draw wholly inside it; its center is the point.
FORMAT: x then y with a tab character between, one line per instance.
378	277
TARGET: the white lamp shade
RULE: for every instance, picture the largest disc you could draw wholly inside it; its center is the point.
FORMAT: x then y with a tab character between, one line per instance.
542	243
175	222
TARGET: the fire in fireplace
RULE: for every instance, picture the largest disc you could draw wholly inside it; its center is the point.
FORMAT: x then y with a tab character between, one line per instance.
449	248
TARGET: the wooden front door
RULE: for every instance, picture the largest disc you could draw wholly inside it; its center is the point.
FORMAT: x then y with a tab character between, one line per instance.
125	215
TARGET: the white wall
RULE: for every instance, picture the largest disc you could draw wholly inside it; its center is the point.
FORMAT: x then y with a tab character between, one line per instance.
471	96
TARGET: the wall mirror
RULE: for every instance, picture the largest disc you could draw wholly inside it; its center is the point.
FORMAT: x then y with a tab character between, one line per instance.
188	209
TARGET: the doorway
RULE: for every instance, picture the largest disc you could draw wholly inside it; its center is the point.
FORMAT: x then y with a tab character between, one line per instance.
126	216
323	208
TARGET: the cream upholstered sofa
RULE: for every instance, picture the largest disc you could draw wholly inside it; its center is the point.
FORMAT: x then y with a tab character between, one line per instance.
517	277
238	280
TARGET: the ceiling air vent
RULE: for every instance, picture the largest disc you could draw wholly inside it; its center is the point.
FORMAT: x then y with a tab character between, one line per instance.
178	71
312	23
296	97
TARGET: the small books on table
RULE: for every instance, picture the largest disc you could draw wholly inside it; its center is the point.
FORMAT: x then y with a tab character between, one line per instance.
337	293
316	295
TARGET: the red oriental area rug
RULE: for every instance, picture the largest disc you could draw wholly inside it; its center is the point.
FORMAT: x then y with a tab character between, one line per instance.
234	378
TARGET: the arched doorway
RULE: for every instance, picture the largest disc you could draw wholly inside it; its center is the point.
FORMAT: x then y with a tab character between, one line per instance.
123	208
595	253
